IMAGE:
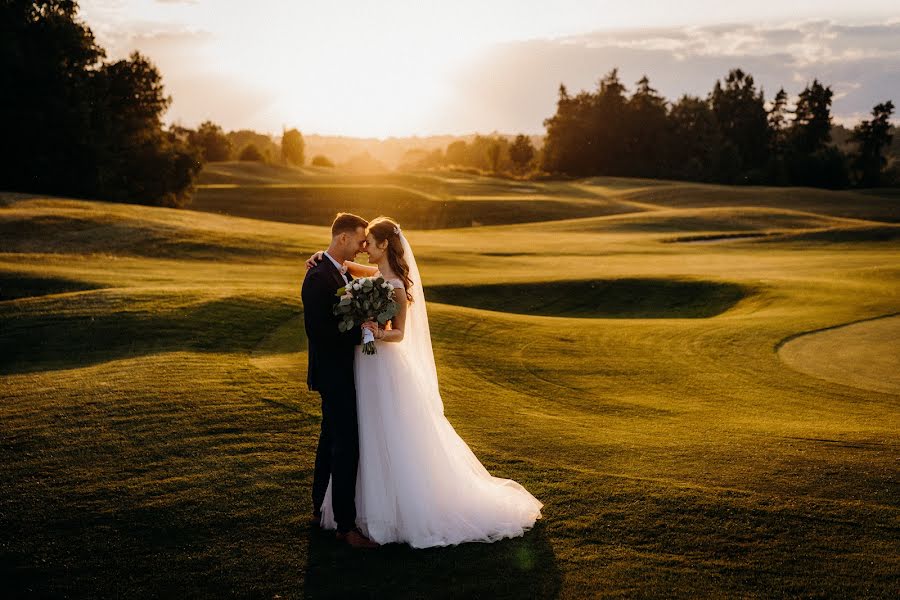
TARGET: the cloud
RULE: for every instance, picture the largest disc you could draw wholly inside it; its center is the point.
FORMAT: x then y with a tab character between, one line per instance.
513	87
165	45
185	57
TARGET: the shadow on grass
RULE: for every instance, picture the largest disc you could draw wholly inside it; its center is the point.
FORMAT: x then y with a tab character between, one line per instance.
627	298
192	550
523	567
67	333
837	235
19	285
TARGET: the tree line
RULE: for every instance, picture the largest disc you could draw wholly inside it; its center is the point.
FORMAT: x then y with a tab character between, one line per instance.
213	144
494	154
79	125
731	136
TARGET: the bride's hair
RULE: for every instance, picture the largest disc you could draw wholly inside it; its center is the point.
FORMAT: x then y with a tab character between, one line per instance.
384	228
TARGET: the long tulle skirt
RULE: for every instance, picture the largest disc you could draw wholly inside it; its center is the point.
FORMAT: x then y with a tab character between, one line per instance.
418	482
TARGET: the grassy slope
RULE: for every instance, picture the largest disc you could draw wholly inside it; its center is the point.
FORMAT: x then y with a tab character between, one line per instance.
434	201
156	434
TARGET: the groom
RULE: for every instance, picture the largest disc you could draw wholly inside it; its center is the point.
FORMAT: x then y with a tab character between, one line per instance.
331	374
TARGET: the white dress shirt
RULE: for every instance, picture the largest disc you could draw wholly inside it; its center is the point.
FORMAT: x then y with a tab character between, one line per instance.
341	268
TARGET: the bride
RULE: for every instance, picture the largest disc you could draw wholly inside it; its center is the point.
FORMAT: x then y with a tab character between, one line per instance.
418	482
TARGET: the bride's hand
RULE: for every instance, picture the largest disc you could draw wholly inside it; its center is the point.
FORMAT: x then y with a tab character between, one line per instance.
314	259
373	327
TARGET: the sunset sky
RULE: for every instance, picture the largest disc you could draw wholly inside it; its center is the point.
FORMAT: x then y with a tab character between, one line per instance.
397	68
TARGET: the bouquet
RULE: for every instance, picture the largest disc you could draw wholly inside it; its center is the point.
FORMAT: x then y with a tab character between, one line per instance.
365	299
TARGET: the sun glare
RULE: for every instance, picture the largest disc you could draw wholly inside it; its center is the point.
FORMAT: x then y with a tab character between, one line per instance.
379	77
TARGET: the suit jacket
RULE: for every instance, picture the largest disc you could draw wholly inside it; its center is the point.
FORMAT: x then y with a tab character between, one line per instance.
330	351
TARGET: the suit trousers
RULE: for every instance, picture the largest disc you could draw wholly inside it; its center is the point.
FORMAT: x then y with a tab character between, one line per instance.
337	454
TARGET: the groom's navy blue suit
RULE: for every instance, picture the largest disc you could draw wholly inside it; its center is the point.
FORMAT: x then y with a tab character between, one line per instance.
330	373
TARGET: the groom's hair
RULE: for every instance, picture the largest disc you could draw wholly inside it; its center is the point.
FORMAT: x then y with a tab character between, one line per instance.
347	223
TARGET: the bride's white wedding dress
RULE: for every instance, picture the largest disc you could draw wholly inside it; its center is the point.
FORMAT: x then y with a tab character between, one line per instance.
418	482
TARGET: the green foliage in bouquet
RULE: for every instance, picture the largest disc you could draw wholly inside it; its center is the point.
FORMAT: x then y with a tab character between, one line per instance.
365	299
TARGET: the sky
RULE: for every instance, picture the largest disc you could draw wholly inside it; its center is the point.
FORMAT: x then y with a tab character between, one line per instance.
402	67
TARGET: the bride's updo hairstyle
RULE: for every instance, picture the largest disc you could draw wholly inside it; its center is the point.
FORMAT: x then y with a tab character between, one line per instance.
384	228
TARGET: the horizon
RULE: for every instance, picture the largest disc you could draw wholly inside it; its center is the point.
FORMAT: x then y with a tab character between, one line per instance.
401	70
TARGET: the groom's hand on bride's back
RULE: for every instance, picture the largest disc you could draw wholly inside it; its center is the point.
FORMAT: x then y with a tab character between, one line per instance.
315	258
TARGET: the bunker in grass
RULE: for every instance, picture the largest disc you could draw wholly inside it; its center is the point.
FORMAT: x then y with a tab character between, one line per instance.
627	298
17	285
862	354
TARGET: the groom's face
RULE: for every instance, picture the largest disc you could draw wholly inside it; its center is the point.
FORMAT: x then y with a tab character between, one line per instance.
356	242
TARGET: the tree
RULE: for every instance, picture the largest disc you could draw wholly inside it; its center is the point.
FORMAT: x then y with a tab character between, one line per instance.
776	116
320	160
212	142
742	117
607	124
487	153
46	58
251	153
81	126
493	154
292	148
521	152
810	160
457	153
586	135
571	135
872	138
778	138
698	155
811	128
137	160
263	142
646	126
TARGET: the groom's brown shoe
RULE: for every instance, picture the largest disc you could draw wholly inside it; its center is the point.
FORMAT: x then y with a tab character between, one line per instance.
356	539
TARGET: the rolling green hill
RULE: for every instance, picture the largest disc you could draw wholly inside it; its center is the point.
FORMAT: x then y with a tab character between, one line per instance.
439	201
688	413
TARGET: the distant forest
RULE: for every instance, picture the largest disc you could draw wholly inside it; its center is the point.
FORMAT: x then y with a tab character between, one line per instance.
79	125
731	136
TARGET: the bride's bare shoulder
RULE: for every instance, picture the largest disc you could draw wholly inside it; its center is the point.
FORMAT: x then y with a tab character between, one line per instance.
396	282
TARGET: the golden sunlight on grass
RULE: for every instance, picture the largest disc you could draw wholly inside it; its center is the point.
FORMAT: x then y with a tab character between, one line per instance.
155	410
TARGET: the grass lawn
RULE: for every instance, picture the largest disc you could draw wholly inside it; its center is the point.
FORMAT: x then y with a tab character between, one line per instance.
703	411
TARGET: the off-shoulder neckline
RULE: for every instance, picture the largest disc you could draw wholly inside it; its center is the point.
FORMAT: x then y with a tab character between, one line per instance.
396	279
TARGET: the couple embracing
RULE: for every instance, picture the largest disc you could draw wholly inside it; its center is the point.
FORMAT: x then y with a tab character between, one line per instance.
389	466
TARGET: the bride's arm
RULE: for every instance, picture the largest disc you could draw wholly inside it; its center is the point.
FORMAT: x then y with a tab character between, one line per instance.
356	269
395	333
